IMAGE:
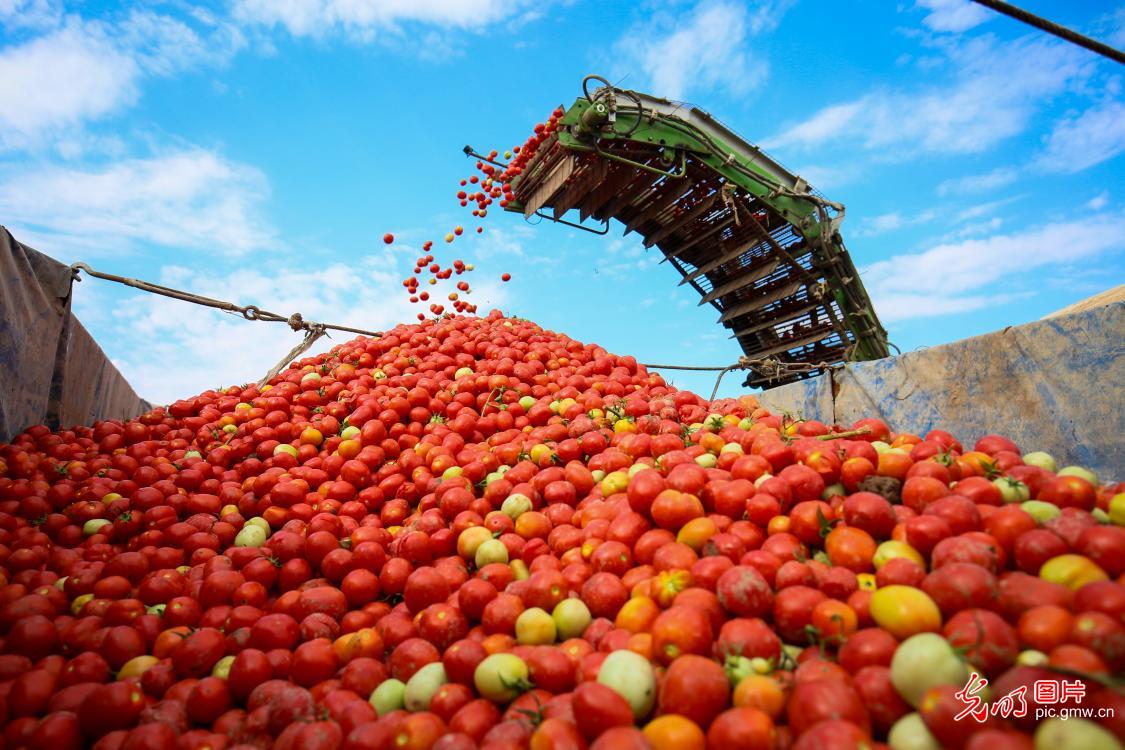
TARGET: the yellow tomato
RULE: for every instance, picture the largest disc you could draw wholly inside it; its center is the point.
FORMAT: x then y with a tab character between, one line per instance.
1072	571
1117	509
136	666
891	549
696	532
904	611
614	482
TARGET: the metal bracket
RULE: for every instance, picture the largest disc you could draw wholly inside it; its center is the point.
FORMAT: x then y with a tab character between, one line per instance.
604	230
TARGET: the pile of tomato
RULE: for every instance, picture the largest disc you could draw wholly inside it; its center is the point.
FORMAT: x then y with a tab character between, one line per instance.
476	533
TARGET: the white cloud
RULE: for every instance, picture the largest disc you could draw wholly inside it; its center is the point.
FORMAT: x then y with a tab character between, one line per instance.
164	45
933	282
184	199
978	210
1099	201
30	14
1079	142
705	48
997	87
78	71
979	183
893	221
58	81
499	240
952	15
169	349
362	18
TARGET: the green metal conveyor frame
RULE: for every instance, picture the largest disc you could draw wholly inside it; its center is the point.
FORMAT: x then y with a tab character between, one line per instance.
755	240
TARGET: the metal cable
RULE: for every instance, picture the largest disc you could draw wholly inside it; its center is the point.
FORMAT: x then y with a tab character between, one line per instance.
770	368
1055	29
251	312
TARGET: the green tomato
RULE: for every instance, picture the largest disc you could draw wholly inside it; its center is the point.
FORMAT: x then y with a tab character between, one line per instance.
1032	658
349	432
1074	734
630	675
707	460
1012	490
515	505
738	668
94	525
534	627
1081	473
222	667
1041	459
924	661
260	522
310	376
491	551
250	536
526	402
192	454
422	686
501	677
389	696
834	490
1042	512
285	448
910	733
571	617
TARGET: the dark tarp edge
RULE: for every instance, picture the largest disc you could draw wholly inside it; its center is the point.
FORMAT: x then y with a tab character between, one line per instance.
51	370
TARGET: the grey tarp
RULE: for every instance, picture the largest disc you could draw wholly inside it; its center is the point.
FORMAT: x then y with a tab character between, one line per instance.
51	370
1056	385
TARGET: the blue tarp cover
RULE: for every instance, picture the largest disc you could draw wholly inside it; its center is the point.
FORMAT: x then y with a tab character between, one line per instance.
1056	385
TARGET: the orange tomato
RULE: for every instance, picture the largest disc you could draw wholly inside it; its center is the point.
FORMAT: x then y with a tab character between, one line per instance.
761	692
778	525
851	548
696	532
673	509
641	643
637	615
169	640
976	463
674	732
498	643
349	449
893	464
834	620
363	642
668	583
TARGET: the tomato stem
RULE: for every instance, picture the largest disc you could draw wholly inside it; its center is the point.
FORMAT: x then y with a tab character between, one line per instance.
846	434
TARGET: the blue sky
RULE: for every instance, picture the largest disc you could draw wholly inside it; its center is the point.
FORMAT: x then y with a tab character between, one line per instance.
257	150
